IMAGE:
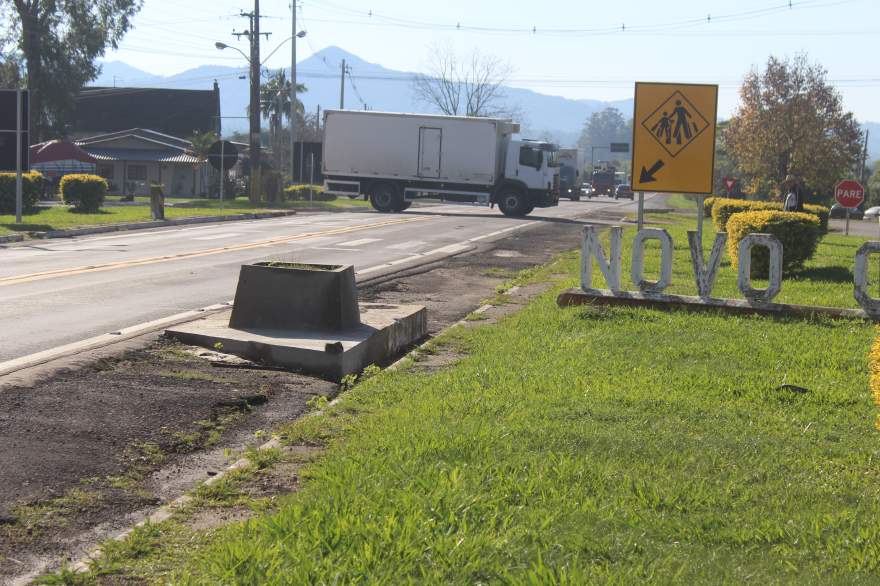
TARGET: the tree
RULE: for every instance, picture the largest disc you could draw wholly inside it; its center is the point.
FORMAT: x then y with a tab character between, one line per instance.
792	121
468	86
275	106
58	41
602	129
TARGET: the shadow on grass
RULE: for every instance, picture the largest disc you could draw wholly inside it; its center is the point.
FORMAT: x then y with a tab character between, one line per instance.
98	212
834	274
27	227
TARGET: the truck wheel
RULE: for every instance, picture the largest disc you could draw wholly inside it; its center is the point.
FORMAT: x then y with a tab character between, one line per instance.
513	203
575	198
383	197
401	206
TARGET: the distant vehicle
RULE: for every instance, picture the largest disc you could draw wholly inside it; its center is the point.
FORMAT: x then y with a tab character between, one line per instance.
603	182
571	165
587	189
872	213
394	158
838	211
623	190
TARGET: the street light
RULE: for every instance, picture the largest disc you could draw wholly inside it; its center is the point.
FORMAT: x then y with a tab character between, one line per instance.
222	46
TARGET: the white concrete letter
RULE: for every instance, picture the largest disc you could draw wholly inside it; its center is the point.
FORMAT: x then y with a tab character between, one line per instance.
871	305
705	274
638	260
591	247
774	247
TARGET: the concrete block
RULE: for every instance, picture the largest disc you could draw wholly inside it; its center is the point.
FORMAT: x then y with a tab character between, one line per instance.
384	332
290	296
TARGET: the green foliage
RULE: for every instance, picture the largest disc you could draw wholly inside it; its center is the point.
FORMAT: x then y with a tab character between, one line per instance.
723	208
822	212
32	186
791	120
799	234
84	192
61	43
603	128
301	193
516	466
707	205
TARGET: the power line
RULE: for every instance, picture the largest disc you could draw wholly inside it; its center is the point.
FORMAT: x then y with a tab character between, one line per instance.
376	19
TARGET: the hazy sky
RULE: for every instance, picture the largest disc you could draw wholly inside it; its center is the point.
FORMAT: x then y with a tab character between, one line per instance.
580	48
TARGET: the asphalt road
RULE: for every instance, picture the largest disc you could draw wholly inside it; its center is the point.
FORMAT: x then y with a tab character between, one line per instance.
865	228
62	291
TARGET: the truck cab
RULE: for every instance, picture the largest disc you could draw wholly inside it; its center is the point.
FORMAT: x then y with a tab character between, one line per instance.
531	177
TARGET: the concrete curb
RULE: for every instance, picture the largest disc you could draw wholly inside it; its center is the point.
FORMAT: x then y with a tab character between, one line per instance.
155	224
11	238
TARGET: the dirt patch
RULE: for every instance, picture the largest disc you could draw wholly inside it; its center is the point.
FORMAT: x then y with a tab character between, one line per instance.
93	450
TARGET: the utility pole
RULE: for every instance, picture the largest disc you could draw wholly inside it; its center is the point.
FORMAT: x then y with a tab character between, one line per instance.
254	146
318	119
292	86
342	87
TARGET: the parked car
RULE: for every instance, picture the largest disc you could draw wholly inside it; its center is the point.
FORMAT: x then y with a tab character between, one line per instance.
838	211
623	190
872	213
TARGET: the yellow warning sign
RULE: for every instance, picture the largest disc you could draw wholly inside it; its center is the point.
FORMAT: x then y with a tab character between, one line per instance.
674	137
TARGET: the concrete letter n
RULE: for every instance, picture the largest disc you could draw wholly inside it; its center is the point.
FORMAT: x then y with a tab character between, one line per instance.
592	247
705	274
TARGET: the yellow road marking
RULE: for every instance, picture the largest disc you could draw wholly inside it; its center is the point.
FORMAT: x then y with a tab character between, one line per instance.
18	279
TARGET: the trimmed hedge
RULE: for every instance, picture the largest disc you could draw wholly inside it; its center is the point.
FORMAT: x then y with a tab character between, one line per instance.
84	192
707	205
301	193
798	232
823	214
31	186
723	208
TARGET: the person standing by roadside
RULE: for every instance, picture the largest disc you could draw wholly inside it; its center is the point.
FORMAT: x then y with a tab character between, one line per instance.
793	194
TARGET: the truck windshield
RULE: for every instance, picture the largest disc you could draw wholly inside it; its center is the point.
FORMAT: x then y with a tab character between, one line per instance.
552	158
531	157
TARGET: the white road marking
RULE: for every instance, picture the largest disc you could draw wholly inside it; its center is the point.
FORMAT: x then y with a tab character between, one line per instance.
406	245
218	236
360	242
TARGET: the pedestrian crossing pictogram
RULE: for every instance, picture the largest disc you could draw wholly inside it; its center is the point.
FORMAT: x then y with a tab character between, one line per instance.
673	147
675	124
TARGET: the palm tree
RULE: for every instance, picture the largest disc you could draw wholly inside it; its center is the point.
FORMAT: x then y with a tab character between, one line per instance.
275	105
201	145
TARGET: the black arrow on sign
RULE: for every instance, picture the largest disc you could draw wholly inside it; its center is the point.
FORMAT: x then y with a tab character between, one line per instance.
648	175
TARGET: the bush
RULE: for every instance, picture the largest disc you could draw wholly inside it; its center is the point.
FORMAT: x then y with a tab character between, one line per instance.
798	232
723	208
31	187
301	193
707	205
822	212
84	192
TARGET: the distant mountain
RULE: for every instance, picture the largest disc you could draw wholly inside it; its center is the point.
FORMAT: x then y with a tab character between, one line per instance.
553	117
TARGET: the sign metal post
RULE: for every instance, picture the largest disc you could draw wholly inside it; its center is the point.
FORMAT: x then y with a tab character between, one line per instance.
700	214
641	209
18	185
222	168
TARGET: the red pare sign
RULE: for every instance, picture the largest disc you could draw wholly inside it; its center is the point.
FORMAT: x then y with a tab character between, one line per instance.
849	193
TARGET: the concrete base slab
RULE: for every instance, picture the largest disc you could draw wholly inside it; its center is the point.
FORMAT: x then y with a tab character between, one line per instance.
572	297
385	331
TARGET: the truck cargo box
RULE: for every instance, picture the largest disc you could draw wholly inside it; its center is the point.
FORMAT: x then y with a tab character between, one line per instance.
445	149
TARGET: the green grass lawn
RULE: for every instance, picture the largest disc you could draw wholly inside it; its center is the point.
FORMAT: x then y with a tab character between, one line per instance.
242	203
582	445
59	218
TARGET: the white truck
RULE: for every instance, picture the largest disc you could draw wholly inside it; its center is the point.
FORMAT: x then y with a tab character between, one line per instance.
571	169
394	158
